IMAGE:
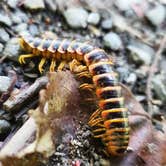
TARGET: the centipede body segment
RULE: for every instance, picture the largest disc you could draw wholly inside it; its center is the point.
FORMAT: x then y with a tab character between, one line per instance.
110	121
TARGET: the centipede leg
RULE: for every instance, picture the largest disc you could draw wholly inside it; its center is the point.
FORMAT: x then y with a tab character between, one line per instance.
22	57
40	67
52	66
76	67
87	86
61	66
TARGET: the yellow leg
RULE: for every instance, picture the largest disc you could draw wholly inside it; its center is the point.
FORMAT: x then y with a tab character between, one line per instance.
84	74
40	67
61	66
76	67
95	122
22	57
52	66
87	86
95	114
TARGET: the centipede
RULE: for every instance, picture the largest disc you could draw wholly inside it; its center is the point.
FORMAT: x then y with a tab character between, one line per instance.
110	121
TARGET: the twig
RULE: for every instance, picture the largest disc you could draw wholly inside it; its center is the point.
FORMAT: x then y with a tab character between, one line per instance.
152	71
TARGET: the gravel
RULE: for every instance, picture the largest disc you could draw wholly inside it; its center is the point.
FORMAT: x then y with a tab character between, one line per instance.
51	5
159	86
12	49
140	53
76	17
1	47
107	23
20	27
35	5
4	37
156	15
5	128
4	19
12	3
4	83
93	18
112	41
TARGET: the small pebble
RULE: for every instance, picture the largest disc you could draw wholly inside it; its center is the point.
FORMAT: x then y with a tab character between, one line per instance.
107	23
76	17
93	18
4	19
104	162
4	36
132	78
18	17
12	49
113	41
156	15
34	5
159	86
5	128
12	3
20	27
1	47
33	29
51	5
140	53
4	83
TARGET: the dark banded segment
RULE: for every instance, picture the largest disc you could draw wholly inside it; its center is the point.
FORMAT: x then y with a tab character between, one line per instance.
108	92
111	103
56	44
95	56
46	43
114	113
100	68
105	80
64	46
36	42
84	49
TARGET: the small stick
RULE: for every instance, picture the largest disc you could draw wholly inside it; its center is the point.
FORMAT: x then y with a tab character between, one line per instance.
20	99
152	71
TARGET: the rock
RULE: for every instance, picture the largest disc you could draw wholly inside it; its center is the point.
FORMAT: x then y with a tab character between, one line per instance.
104	162
34	5
113	41
5	128
93	18
4	36
140	53
159	86
107	23
4	19
4	83
12	49
132	78
76	17
20	27
19	17
156	15
122	4
12	3
1	47
51	5
33	29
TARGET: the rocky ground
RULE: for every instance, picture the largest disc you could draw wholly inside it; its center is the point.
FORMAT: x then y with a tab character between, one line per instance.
132	31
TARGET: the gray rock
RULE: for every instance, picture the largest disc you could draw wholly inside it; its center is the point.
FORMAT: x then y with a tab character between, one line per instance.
12	49
5	128
33	29
93	18
4	83
20	27
34	5
132	78
156	15
140	53
113	41
12	3
159	86
51	4
19	17
76	17
107	23
4	19
1	47
4	36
